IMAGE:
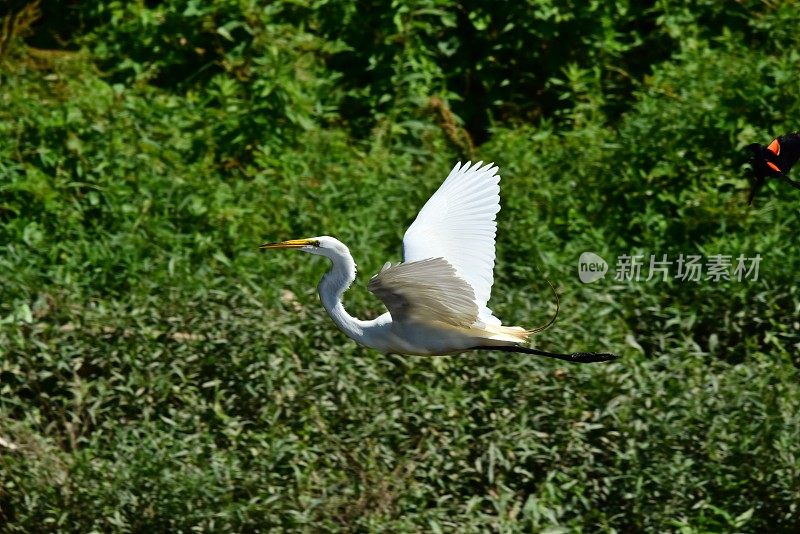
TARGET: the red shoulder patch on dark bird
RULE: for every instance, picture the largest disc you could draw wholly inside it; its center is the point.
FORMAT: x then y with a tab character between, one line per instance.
776	162
774	147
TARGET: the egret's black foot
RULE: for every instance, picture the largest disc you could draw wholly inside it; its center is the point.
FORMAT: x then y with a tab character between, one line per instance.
591	357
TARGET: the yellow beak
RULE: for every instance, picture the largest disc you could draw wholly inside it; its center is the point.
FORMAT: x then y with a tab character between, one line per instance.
292	243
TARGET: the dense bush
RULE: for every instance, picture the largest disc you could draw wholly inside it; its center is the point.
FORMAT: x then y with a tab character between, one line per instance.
157	372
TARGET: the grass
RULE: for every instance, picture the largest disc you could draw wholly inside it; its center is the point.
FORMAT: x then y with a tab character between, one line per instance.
158	372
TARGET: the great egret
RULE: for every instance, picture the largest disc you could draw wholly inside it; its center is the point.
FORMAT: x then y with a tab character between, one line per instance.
437	297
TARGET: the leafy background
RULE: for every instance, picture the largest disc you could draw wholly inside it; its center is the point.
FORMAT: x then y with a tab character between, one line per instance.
157	372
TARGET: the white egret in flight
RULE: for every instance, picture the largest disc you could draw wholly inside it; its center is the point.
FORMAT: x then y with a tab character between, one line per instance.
437	297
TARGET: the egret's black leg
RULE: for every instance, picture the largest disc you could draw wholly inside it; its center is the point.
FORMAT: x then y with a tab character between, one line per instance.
575	357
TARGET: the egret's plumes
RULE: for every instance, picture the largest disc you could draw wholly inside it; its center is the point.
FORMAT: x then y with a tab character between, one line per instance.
437	298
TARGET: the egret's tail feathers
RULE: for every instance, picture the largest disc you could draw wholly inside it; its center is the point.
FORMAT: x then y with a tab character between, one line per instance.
514	334
497	332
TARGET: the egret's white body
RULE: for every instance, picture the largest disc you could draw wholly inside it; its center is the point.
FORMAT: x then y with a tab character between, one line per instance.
437	298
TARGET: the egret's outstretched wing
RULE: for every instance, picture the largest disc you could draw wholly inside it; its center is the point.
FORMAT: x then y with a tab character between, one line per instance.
458	224
427	290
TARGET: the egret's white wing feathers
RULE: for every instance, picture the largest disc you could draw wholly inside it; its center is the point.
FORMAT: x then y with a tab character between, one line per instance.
426	290
458	224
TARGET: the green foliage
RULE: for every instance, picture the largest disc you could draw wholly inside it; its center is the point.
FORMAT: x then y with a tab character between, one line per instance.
259	79
157	372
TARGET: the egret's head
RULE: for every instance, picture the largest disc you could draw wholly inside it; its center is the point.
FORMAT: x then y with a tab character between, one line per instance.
322	246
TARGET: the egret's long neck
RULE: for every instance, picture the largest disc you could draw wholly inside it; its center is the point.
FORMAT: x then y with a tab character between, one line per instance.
333	284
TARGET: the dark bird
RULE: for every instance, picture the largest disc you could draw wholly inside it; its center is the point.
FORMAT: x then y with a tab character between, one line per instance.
774	161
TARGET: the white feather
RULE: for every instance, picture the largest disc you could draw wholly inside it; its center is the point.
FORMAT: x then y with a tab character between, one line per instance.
458	224
425	291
